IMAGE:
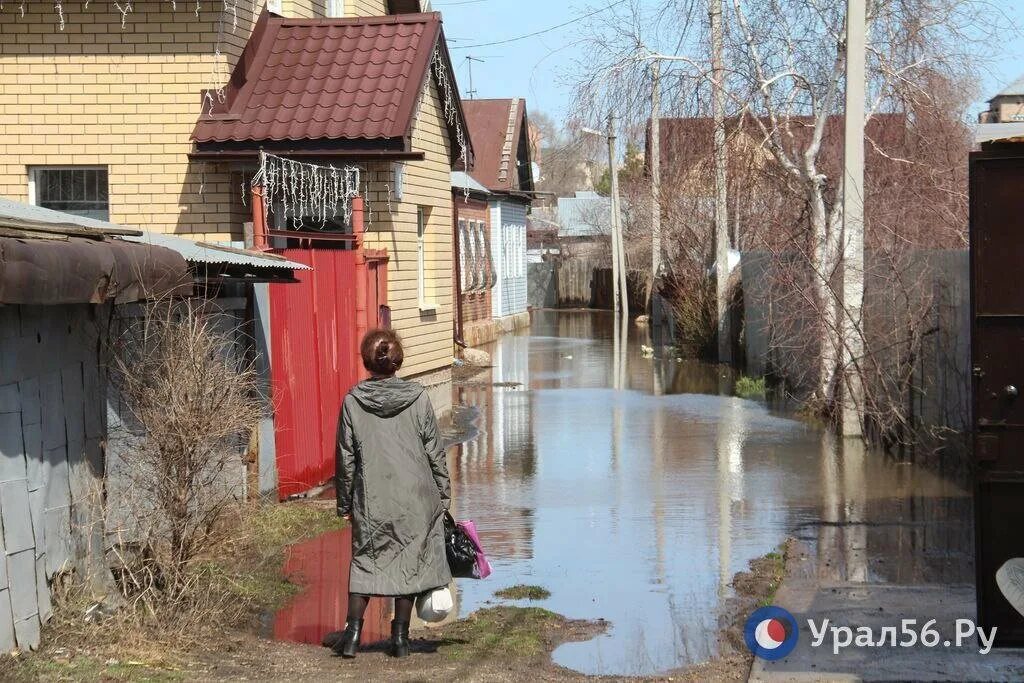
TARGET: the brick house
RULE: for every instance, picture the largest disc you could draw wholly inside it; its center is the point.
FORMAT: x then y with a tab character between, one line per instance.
105	116
474	275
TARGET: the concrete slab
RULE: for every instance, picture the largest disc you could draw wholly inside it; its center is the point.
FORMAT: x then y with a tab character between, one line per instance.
27	632
14	505
22	569
7	641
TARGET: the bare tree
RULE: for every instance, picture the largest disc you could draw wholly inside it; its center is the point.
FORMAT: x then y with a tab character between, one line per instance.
190	400
785	76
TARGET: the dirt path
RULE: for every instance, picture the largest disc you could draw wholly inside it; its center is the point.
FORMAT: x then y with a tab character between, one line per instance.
494	644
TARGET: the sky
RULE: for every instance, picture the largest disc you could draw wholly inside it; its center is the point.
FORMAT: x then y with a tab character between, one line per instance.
536	68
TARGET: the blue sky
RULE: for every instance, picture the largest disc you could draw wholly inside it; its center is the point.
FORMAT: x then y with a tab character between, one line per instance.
535	68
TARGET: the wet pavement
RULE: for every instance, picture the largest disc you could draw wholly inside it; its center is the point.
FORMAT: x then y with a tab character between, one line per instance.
634	488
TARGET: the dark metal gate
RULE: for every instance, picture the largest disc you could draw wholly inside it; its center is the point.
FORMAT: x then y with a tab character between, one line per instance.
997	350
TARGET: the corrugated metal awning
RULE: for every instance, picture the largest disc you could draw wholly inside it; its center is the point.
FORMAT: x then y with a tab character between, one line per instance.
994	132
216	254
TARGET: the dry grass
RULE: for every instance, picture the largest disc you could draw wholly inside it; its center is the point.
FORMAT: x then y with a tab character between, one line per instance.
230	586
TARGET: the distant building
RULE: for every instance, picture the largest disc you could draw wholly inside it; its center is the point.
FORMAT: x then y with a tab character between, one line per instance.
584	223
500	133
474	274
1007	106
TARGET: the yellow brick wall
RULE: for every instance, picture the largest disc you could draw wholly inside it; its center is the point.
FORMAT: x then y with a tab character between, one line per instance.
427	336
127	99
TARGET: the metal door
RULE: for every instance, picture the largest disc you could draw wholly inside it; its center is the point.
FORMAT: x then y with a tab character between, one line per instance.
315	352
997	351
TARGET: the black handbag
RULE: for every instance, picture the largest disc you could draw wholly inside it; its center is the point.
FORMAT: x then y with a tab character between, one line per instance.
459	548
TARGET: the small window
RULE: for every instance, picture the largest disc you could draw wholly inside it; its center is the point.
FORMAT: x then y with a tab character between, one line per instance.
335	8
78	190
275	6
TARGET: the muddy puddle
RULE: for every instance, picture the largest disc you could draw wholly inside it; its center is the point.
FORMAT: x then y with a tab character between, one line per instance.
634	488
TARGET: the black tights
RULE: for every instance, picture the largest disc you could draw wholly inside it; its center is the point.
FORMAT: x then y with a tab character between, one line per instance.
357	607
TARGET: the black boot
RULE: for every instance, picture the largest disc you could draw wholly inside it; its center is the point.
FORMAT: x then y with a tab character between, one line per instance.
399	639
347	645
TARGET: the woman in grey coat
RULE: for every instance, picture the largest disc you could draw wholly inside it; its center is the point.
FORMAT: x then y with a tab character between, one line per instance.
392	482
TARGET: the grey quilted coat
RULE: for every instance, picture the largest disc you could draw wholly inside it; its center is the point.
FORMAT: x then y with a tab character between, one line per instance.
393	479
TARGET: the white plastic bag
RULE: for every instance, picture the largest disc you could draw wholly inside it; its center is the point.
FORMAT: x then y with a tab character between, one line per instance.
435	605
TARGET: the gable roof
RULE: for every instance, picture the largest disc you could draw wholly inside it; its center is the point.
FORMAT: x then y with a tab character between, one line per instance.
1015	89
335	85
499	131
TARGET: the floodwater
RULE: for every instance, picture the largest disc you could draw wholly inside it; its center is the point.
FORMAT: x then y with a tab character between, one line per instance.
634	488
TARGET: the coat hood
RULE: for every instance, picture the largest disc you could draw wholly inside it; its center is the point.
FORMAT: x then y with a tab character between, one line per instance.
386	397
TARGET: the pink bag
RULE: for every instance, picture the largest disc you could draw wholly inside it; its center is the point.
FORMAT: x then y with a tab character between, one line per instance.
483	567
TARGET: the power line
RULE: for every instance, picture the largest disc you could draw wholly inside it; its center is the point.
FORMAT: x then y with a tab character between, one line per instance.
542	31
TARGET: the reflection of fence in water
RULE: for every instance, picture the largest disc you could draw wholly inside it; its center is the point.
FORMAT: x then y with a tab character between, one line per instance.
321	566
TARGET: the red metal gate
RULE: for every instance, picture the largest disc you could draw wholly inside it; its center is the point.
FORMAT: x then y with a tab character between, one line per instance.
316	325
314	350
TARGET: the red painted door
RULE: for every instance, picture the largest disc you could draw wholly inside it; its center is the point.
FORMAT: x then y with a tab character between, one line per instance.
314	349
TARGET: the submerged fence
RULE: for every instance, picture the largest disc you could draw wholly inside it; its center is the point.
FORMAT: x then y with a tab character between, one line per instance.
927	290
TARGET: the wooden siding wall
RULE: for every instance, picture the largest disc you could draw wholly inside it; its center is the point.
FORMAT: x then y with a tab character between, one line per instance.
125	98
508	247
51	430
427	335
318	8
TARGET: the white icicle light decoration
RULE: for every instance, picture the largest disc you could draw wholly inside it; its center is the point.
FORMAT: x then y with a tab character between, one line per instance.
307	190
450	103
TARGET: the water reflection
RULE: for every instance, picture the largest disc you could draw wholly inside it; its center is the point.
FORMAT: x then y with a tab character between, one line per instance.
321	566
639	505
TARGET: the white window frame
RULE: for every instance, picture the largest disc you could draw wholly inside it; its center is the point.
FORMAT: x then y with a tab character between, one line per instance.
422	225
275	6
335	8
33	171
462	255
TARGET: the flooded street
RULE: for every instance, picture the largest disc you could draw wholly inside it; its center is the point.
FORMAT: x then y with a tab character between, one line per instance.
638	505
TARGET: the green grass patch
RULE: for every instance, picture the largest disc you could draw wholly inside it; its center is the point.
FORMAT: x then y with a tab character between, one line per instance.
254	572
500	633
523	592
36	667
749	387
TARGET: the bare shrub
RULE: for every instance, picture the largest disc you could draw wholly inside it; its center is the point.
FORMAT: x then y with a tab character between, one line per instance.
189	400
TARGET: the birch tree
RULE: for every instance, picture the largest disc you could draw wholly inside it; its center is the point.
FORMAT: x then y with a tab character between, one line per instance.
787	59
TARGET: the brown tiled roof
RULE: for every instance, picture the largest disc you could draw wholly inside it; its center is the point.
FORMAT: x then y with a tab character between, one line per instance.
496	128
317	80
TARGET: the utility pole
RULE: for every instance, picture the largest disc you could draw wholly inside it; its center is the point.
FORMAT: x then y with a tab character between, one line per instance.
655	163
618	249
721	189
853	215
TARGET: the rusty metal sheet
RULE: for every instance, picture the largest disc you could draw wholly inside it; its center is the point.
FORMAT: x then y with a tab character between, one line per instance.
82	270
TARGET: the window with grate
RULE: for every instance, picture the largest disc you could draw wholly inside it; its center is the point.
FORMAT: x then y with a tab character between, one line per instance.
81	191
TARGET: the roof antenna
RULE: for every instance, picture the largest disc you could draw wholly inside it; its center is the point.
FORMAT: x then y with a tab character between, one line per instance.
471	93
